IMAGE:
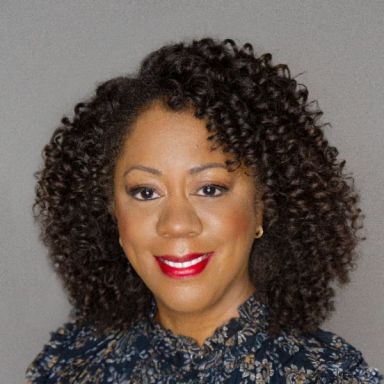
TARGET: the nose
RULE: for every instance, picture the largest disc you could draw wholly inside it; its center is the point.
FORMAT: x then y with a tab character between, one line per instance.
178	218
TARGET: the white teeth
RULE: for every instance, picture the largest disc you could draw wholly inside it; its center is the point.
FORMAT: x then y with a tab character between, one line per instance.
186	264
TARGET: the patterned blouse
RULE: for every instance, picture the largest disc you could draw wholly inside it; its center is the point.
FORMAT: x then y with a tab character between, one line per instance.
240	351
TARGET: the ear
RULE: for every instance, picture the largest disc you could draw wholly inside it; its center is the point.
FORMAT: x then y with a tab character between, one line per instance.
111	209
259	209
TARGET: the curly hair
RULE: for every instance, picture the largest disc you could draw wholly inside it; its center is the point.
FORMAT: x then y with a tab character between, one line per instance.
256	112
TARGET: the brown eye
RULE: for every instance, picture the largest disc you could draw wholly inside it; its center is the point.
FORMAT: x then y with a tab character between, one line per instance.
212	190
143	193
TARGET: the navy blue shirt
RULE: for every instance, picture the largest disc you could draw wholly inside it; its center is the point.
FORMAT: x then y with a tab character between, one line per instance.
240	351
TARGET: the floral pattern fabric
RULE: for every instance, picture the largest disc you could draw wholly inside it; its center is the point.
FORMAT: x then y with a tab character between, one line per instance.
240	351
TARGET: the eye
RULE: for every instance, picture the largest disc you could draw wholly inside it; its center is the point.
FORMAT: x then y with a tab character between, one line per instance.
212	190
143	193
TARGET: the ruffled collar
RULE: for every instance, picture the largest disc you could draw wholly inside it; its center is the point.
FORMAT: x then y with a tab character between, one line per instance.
252	319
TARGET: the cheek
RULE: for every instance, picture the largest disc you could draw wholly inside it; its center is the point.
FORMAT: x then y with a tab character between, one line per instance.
234	222
133	229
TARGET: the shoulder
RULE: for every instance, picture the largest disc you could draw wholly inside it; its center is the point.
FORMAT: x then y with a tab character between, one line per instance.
71	348
325	357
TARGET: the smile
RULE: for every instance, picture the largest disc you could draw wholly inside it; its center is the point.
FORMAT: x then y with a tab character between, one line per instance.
186	266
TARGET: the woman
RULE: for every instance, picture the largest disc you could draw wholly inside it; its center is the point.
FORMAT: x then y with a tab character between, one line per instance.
197	217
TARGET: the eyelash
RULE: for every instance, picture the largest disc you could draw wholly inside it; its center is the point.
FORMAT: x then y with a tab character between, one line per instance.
136	190
223	189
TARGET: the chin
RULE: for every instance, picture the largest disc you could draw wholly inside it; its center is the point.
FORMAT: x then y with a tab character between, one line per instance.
185	299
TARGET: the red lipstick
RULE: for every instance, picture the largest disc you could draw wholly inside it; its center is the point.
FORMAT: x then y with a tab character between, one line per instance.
185	266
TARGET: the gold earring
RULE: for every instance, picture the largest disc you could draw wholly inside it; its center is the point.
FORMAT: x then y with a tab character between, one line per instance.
259	232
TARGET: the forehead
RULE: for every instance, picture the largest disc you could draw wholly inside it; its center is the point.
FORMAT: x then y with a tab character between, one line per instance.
160	135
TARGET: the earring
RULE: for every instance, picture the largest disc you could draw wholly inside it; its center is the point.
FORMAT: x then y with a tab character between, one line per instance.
120	242
259	232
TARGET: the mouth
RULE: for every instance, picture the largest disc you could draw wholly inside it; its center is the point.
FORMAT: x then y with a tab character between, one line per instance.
186	266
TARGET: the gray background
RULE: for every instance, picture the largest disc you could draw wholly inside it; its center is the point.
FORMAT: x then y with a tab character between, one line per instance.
54	52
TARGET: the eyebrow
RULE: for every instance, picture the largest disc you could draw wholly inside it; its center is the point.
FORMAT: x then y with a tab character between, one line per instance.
192	171
203	167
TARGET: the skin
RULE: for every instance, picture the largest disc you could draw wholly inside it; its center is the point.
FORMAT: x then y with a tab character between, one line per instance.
176	212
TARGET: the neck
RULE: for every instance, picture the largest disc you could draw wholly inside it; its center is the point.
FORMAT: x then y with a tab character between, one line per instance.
201	325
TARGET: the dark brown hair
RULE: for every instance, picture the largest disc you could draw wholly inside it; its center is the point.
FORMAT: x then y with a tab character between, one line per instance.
256	112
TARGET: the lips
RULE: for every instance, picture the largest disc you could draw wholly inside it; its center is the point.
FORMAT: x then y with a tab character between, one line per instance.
185	266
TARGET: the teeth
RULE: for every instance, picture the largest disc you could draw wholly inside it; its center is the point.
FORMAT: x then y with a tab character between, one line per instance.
186	264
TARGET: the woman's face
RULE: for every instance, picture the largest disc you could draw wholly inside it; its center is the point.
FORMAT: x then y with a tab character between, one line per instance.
174	198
